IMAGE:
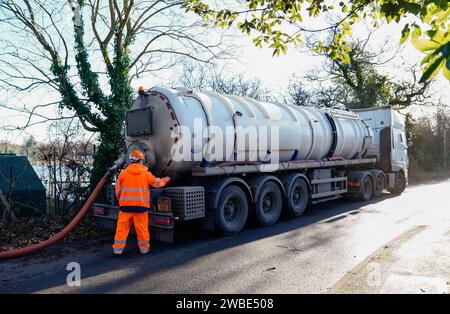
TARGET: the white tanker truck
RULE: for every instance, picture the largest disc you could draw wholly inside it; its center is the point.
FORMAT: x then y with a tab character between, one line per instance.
234	158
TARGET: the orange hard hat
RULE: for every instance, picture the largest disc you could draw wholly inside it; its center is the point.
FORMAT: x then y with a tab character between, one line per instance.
137	155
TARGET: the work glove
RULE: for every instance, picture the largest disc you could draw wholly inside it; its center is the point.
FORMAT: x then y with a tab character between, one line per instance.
168	179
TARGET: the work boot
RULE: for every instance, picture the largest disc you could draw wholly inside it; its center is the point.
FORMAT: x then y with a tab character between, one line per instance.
118	251
144	250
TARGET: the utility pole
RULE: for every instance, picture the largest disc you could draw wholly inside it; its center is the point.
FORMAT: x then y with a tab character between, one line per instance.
445	145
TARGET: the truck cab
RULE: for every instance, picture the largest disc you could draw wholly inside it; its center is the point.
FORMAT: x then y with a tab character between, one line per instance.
389	144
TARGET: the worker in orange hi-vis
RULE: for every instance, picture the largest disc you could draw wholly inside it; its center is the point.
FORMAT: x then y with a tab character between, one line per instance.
133	192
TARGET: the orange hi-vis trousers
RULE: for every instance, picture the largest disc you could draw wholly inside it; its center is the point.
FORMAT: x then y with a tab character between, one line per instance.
140	221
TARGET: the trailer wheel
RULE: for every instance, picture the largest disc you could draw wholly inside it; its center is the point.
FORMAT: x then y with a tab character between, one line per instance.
366	189
268	204
298	197
400	185
379	184
231	215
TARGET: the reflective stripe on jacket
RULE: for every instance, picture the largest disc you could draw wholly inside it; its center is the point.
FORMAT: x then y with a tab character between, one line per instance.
133	188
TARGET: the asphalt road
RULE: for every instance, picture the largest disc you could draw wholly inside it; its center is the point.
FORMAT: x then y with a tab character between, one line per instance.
330	249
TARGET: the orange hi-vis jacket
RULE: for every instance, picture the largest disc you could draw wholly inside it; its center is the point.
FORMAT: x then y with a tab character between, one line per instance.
133	188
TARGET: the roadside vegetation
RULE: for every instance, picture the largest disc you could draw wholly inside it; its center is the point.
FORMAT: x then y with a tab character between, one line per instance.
426	150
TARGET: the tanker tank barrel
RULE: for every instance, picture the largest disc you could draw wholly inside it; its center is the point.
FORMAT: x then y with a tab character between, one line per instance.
178	129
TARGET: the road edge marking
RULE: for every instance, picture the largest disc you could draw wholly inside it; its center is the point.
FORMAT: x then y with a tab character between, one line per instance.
382	253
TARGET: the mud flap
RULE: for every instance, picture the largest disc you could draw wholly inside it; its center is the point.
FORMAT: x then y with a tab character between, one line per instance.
162	234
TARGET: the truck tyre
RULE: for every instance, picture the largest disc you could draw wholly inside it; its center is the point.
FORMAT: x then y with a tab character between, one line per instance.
400	185
231	215
379	184
298	197
268	204
366	189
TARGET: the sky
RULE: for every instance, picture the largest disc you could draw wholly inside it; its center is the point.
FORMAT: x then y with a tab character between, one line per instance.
253	62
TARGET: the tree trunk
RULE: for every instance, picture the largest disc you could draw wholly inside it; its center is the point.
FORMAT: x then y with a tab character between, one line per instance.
111	145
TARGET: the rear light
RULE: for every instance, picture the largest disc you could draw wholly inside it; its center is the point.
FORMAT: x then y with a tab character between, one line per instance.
99	210
166	222
353	183
163	221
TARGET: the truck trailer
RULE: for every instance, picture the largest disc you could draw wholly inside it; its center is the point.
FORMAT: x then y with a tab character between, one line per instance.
235	158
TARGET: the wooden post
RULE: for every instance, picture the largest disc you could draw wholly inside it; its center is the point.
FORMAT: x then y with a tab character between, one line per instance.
8	209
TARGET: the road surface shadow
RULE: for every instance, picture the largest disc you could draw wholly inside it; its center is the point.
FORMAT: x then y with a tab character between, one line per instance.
191	243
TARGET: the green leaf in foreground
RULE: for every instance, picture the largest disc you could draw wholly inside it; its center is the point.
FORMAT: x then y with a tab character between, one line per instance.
432	68
446	69
405	34
425	44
